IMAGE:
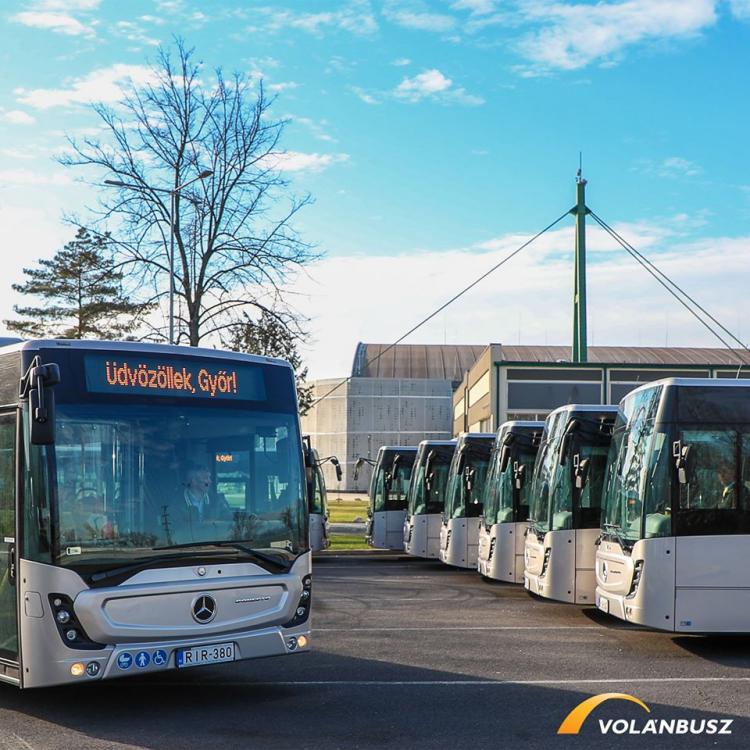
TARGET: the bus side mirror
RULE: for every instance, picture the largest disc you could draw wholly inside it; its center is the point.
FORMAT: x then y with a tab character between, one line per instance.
519	475
468	477
357	467
337	466
681	455
582	472
40	381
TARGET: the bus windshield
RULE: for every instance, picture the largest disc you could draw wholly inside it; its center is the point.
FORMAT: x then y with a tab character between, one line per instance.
389	487
703	430
500	504
430	500
124	481
468	474
544	473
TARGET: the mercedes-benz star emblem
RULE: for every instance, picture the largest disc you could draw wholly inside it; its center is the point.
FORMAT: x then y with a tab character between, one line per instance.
204	609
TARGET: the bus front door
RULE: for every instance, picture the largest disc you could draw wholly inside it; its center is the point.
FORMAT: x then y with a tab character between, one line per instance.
8	597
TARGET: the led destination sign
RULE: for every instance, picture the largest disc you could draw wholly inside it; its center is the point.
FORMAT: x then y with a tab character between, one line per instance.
179	376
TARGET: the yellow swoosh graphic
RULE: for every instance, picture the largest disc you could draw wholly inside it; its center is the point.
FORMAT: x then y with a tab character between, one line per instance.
573	722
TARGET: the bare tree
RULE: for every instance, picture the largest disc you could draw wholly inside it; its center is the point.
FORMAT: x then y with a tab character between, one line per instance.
235	246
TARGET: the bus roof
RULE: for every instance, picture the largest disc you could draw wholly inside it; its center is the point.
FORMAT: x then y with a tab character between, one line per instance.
584	408
691	383
136	346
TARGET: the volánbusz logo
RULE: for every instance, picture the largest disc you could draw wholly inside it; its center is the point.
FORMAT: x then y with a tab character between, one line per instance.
574	720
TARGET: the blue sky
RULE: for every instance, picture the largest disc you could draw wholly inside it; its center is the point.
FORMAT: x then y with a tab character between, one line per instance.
435	136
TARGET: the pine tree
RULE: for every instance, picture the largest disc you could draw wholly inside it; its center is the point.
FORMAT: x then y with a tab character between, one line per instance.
269	337
81	294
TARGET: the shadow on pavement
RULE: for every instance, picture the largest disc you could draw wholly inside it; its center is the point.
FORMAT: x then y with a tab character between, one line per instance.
251	705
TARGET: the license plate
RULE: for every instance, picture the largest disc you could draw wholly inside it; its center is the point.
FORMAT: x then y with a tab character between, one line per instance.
212	653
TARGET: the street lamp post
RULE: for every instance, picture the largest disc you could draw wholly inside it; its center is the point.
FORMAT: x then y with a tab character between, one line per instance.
173	192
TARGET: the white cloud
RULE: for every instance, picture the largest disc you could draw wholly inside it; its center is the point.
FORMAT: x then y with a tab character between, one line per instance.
18	117
401	62
103	85
297	161
574	35
366	96
61	23
740	9
355	17
676	166
478	7
67	5
438	22
529	295
672	166
31	177
432	84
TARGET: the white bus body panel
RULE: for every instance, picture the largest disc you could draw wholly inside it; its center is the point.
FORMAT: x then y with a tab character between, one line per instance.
387	529
319	539
569	574
422	535
152	610
459	540
501	552
698	584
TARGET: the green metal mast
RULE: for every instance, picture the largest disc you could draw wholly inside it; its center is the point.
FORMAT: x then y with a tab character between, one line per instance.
580	352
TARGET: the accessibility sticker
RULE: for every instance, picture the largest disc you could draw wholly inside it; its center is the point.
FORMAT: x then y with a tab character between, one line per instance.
160	658
125	661
142	659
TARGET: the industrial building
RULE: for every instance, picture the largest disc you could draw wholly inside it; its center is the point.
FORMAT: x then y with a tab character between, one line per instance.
528	382
394	396
408	393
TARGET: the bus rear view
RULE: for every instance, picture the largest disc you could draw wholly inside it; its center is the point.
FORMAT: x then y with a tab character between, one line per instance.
565	509
153	511
676	511
427	497
505	513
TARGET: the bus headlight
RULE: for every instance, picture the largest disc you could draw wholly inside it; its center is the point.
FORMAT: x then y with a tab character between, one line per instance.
637	573
70	629
302	611
63	616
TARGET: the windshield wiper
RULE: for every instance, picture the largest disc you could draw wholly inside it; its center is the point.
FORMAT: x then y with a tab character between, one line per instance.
132	567
615	530
249	551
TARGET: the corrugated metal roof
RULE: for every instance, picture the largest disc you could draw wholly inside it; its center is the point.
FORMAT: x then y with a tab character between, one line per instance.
451	361
440	361
628	355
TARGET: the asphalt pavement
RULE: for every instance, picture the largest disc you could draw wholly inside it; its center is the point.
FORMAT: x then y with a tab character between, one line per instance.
412	654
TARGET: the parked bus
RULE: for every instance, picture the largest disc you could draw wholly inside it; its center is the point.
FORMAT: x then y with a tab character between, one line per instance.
153	511
565	510
676	509
388	488
459	531
317	496
426	498
505	512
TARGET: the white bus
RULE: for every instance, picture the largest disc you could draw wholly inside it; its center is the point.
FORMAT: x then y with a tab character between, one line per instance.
459	530
505	509
388	489
317	495
426	498
676	511
153	511
565	510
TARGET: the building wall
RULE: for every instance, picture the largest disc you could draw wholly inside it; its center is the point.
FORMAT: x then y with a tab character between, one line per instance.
367	413
531	391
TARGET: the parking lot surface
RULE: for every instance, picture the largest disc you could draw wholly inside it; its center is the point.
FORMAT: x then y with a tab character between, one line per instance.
412	654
